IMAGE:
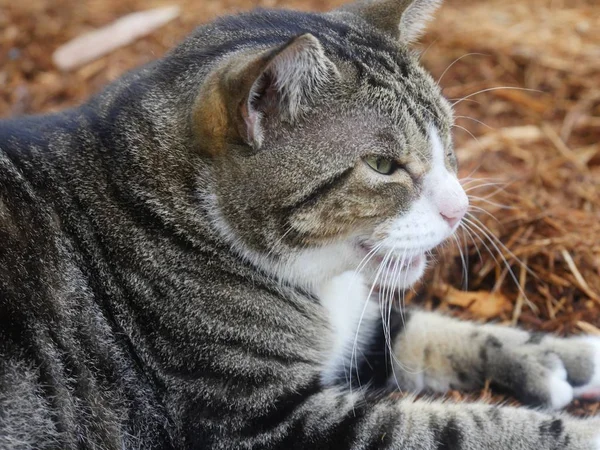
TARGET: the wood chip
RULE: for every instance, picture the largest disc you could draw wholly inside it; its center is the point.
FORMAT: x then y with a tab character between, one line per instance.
588	328
580	280
93	45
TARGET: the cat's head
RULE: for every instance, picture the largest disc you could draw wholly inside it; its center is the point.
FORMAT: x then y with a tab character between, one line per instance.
331	151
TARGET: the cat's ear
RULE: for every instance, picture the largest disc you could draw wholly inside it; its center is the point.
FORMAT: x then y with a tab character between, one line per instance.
237	98
402	19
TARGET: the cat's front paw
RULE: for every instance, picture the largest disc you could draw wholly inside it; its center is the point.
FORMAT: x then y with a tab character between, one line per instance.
591	388
573	369
561	392
546	370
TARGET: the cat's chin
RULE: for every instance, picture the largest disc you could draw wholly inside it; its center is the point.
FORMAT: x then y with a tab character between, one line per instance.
387	275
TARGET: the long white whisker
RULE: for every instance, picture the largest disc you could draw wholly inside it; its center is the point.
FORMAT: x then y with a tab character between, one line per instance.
467	131
470	235
498	88
493	240
484	211
464	263
479	186
353	358
455	61
489	202
475	120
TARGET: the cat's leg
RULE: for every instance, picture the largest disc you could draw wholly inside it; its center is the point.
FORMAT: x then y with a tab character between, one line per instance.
331	419
434	352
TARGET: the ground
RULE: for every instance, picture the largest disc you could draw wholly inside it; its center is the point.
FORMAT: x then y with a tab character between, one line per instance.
525	76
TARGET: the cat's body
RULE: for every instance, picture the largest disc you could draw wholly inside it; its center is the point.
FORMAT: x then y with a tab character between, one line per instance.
170	279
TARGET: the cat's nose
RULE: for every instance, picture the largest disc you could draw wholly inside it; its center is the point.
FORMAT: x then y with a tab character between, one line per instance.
453	215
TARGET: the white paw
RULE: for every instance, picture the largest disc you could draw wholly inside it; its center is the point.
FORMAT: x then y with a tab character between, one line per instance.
591	390
561	392
596	443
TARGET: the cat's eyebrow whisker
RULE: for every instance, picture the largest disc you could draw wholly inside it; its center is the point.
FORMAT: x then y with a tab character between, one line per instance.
465	99
427	49
497	88
467	131
455	61
475	120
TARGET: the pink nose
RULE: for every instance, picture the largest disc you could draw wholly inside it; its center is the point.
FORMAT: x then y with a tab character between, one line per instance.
452	218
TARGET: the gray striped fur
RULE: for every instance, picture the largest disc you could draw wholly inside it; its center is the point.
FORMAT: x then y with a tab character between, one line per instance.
154	285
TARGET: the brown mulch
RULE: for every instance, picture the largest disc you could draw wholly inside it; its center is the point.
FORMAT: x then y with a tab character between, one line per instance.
530	142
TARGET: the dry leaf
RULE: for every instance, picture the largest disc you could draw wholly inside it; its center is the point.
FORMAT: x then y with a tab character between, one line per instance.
483	304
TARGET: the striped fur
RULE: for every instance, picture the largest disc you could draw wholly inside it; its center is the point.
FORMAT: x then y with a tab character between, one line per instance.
169	281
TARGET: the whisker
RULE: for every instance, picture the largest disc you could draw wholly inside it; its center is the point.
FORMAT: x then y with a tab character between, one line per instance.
465	272
492	238
475	120
468	232
467	131
427	49
353	356
455	61
495	242
484	211
479	186
489	202
497	88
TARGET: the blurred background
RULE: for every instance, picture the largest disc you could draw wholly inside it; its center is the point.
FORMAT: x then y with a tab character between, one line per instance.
524	76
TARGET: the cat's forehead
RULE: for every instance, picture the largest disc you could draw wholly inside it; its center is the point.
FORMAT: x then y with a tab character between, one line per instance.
404	95
365	131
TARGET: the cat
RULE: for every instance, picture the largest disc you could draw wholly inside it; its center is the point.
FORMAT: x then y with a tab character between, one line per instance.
192	259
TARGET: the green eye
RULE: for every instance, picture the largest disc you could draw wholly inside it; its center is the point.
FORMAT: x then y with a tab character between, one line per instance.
382	165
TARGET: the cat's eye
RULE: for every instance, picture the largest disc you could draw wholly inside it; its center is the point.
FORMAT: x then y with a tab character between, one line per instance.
384	166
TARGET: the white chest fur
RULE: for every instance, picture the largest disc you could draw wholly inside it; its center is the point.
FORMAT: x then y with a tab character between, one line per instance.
353	318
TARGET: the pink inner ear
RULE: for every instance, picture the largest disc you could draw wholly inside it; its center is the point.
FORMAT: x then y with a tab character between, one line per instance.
251	117
263	101
264	97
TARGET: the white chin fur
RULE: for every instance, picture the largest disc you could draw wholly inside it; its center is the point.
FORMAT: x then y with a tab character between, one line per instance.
313	267
393	273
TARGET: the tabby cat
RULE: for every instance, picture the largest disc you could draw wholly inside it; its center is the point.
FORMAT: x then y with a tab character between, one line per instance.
193	258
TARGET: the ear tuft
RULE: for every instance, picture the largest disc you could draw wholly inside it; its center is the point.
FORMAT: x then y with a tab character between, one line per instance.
402	19
415	19
294	75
